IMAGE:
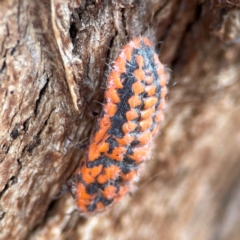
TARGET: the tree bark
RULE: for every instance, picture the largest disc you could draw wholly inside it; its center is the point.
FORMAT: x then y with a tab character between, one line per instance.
54	61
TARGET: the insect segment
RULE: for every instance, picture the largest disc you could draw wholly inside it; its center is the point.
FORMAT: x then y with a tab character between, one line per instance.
122	138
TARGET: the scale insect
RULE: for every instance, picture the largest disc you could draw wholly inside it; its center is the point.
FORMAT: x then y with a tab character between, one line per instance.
123	136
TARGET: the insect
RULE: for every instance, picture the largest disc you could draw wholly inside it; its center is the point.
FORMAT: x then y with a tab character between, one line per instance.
122	138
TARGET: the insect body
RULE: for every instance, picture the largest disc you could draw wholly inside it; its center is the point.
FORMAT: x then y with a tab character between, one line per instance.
122	138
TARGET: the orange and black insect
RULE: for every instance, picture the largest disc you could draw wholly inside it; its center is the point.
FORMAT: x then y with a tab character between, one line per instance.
122	138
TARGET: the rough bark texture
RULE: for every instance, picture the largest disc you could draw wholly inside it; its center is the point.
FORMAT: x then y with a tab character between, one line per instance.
54	58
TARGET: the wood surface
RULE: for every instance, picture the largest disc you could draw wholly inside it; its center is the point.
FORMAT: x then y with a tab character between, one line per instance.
54	61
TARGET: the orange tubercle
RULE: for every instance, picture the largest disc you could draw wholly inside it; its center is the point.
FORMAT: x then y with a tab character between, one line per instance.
134	101
139	74
129	127
150	102
131	114
138	87
109	192
145	114
151	90
117	153
109	173
146	124
89	174
112	94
